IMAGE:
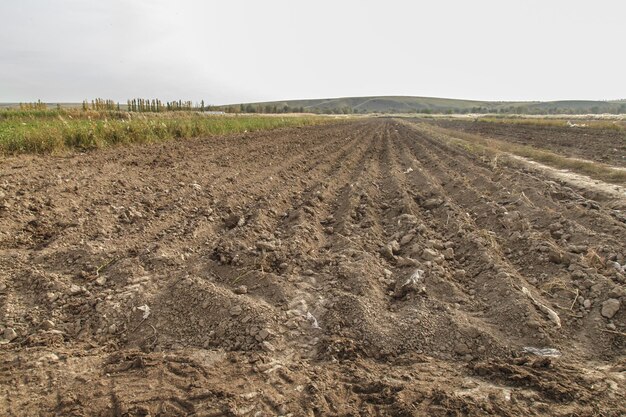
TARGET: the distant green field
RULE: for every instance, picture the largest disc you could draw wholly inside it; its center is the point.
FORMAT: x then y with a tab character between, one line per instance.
49	131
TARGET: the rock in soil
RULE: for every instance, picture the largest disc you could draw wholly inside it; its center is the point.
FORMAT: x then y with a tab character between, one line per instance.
610	307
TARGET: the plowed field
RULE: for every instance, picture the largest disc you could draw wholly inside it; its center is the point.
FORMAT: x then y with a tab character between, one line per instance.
607	145
359	268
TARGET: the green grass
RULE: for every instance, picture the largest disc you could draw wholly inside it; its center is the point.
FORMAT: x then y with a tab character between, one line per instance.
53	131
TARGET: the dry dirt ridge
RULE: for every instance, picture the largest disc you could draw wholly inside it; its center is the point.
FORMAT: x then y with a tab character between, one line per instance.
355	269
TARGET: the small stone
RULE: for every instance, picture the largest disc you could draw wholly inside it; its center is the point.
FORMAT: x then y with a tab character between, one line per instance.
3	286
407	238
402	261
75	289
555	256
9	334
101	281
610	307
395	247
49	357
233	221
587	304
461	348
263	334
47	325
577	248
448	254
242	289
432	203
469	384
555	226
611	326
430	254
268	346
387	252
266	246
236	310
617	292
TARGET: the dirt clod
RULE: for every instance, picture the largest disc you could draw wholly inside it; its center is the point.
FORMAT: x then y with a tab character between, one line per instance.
610	307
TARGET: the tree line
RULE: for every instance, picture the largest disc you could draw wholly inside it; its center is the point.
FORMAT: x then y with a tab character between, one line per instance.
37	105
153	105
156	105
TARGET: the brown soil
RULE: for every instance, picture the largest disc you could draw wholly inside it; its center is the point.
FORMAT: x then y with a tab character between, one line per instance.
595	144
275	274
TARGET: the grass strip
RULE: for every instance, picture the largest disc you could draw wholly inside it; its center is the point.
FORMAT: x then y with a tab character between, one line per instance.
47	132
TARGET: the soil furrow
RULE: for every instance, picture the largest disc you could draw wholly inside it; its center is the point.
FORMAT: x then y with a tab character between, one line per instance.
361	268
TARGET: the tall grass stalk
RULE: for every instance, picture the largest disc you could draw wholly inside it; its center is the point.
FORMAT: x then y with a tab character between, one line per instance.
53	131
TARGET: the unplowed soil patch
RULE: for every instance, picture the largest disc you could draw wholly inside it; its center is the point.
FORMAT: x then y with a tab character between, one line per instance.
355	269
604	145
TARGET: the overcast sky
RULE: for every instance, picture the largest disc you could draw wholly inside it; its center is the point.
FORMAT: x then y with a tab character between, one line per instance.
232	51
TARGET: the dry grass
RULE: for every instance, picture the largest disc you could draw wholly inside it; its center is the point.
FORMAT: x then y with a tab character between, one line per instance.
542	121
51	131
491	147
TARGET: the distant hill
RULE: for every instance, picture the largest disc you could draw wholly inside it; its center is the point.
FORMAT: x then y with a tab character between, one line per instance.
408	104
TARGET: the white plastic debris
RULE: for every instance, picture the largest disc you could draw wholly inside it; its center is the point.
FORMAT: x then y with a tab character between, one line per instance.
617	266
547	310
416	277
551	352
310	317
146	311
408	170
